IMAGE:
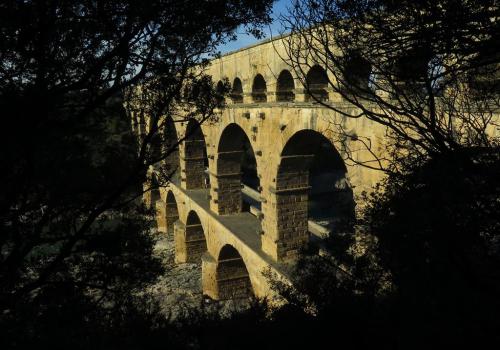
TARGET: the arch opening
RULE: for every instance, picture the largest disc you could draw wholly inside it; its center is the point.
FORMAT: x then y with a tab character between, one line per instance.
409	73
220	90
171	148
311	164
171	212
236	172
194	238
233	280
195	157
259	89
285	87
316	84
357	73
237	91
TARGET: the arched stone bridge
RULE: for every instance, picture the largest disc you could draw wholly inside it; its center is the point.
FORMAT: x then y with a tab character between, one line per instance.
266	178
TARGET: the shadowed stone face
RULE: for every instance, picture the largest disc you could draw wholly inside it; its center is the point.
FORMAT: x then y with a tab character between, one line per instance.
233	280
190	240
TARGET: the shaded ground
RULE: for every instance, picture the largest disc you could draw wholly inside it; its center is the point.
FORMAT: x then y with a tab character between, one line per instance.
180	287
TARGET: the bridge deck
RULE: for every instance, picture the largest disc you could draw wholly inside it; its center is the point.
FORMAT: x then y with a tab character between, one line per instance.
245	226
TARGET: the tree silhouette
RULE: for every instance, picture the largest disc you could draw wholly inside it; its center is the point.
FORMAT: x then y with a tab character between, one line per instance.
426	70
75	243
421	270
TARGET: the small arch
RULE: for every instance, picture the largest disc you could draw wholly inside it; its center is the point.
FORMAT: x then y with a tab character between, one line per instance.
237	91
233	280
195	157
220	91
316	84
195	240
259	89
285	87
412	66
236	166
357	71
410	71
171	148
171	212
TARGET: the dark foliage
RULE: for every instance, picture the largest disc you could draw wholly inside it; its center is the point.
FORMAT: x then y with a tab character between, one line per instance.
421	268
75	243
438	234
428	71
421	271
426	270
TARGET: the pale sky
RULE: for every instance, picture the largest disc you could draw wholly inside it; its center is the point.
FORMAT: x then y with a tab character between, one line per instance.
274	29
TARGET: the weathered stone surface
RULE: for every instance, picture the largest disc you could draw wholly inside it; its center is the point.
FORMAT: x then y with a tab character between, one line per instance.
275	238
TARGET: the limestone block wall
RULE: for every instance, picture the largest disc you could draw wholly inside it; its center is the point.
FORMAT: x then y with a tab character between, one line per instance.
194	167
284	181
233	280
290	198
209	276
217	236
181	253
195	241
226	189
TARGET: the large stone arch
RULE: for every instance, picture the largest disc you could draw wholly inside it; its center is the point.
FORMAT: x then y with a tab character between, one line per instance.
236	165
190	240
310	185
195	158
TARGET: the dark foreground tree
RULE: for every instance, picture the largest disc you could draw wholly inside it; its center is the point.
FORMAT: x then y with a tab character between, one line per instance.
438	234
74	245
427	70
422	268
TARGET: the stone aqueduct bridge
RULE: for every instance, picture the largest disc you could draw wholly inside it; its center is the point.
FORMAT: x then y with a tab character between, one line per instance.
261	182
